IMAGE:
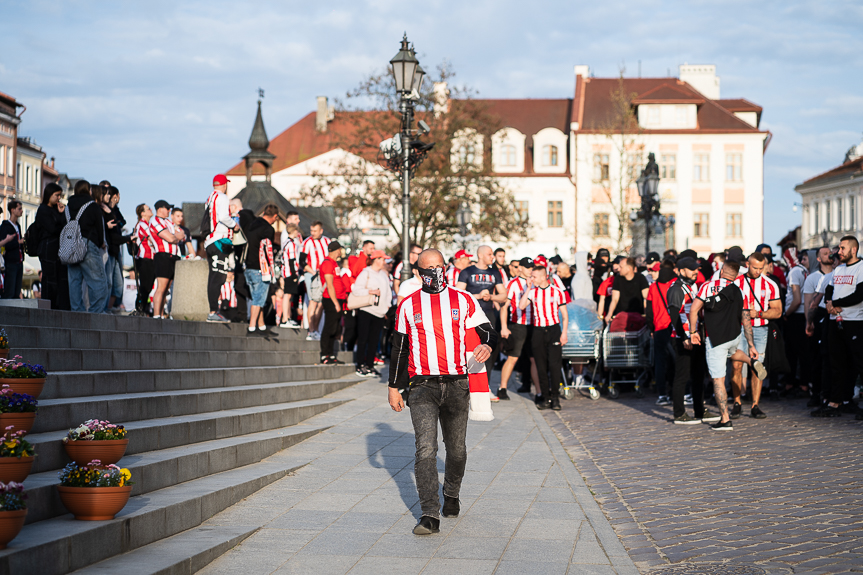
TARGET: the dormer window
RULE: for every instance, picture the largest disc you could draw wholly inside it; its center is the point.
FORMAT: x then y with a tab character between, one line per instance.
549	155
466	154
507	155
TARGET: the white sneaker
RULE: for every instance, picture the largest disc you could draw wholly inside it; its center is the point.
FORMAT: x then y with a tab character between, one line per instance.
687	399
310	337
317	336
293	325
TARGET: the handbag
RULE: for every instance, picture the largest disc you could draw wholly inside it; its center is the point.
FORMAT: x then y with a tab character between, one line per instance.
774	354
358	301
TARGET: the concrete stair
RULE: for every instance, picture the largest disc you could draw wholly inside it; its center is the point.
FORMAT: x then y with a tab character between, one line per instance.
205	406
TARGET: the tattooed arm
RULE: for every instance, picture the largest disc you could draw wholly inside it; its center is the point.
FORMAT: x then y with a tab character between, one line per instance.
747	331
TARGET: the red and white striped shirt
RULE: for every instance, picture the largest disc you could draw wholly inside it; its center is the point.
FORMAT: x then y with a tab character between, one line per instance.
545	302
558	283
142	238
711	288
757	295
160	245
290	259
689	293
514	291
436	325
227	293
316	251
452	276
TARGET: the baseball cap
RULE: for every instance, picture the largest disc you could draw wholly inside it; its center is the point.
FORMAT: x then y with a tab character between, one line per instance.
687	263
525	262
688	254
378	254
162	204
617	259
602	252
651	257
654	267
462	254
734	254
334	245
556	259
540	261
220	180
762	246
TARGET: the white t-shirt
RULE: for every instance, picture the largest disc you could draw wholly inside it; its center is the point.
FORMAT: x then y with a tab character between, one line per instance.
821	288
811	283
796	277
409	287
130	293
844	282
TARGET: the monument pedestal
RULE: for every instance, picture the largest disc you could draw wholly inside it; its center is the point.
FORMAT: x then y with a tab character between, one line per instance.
189	299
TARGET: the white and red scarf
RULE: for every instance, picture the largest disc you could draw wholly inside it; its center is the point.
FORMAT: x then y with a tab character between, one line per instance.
480	394
265	258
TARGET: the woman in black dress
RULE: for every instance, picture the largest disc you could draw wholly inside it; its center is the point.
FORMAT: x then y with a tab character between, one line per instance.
50	220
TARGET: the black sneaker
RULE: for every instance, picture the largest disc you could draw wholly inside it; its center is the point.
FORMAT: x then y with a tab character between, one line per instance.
427	526
537	399
859	416
710	417
735	411
849	408
554	403
543	404
501	394
757	413
826	411
451	506
813	402
685	420
727	426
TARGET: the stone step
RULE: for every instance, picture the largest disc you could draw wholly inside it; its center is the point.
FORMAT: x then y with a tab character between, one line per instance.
62	384
62	544
182	554
156	470
133	359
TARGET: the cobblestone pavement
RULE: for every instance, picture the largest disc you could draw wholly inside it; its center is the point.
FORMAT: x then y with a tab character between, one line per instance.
784	494
352	507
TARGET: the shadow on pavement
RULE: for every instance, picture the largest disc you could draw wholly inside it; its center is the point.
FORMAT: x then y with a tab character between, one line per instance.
395	464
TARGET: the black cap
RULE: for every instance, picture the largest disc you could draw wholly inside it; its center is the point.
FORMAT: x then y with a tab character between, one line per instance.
162	204
617	259
688	254
734	254
652	257
525	262
602	252
687	263
555	260
334	245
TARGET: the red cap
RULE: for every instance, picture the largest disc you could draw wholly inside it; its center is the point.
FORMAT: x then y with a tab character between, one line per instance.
220	180
540	261
462	254
654	267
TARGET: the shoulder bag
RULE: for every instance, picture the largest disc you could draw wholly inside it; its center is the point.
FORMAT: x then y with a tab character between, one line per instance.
359	301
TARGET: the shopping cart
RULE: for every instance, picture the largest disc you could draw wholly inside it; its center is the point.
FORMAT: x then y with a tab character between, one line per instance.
628	355
582	348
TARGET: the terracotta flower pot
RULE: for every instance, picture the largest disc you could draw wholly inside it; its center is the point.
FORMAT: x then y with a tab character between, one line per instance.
4	353
20	421
31	386
94	503
15	468
11	523
107	451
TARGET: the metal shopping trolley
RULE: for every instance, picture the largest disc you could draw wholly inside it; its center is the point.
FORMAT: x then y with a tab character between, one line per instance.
583	346
628	355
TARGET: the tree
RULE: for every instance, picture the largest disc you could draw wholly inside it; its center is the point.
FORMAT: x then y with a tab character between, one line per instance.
617	179
456	170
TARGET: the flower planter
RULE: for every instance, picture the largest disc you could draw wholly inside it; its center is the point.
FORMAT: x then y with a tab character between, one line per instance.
29	385
4	353
20	421
15	468
107	451
11	523
94	503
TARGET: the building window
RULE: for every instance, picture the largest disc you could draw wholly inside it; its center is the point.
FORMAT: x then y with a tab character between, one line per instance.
828	216
701	228
555	214
680	116
466	154
633	165
549	155
852	213
521	210
507	155
733	225
28	181
733	167
701	168
18	177
653	115
600	225
2	160
36	181
816	213
600	167
668	167
9	161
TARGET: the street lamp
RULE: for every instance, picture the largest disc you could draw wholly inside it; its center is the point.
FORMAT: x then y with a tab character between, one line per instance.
462	217
354	234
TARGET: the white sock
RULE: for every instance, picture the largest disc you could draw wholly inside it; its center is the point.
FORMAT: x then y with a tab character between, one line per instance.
262	327
251	329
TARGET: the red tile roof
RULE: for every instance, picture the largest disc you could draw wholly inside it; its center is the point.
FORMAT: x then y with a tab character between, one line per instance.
846	169
669	94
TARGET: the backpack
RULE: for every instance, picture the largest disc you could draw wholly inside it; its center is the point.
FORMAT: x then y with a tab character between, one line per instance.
73	247
32	238
205	223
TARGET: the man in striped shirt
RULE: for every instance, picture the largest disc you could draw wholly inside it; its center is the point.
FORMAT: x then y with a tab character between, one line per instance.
218	245
144	260
516	327
166	239
314	251
761	298
290	273
430	355
461	260
549	333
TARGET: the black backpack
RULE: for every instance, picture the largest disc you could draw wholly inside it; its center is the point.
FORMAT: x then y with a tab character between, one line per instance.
32	238
205	223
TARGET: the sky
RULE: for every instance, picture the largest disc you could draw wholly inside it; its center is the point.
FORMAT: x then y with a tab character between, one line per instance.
159	96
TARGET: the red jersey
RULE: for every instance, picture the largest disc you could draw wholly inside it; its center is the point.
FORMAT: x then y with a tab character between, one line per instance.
142	238
436	326
545	302
357	264
514	291
699	279
657	297
757	295
604	288
329	267
161	245
451	276
316	251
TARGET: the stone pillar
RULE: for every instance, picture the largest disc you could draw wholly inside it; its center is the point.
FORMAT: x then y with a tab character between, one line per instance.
189	299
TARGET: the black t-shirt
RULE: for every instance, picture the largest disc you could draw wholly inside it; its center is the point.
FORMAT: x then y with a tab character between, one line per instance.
182	245
13	248
631	297
723	314
476	280
258	230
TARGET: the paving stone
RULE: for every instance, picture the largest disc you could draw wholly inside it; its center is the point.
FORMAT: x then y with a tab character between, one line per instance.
303	565
532	567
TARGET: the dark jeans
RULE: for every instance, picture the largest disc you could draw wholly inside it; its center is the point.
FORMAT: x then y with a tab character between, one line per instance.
146	277
814	351
796	349
330	331
846	358
663	356
492	359
368	333
547	353
432	401
13	276
349	338
689	364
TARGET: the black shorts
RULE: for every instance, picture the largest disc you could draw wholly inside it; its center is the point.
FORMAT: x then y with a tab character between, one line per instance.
164	265
292	285
519	340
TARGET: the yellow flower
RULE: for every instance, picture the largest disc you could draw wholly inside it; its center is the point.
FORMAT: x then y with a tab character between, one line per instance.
125	475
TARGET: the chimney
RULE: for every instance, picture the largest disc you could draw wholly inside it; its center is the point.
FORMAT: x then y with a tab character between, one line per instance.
582	70
52	162
702	77
322	114
441	98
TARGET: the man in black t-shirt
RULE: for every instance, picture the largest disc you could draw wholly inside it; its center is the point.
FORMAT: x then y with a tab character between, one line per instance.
12	238
629	290
259	266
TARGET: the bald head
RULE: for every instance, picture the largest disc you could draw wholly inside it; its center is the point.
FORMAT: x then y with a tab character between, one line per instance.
484	256
430	258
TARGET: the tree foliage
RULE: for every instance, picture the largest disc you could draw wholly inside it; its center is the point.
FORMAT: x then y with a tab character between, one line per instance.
357	184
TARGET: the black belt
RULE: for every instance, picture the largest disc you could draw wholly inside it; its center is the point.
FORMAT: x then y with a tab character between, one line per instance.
437	378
